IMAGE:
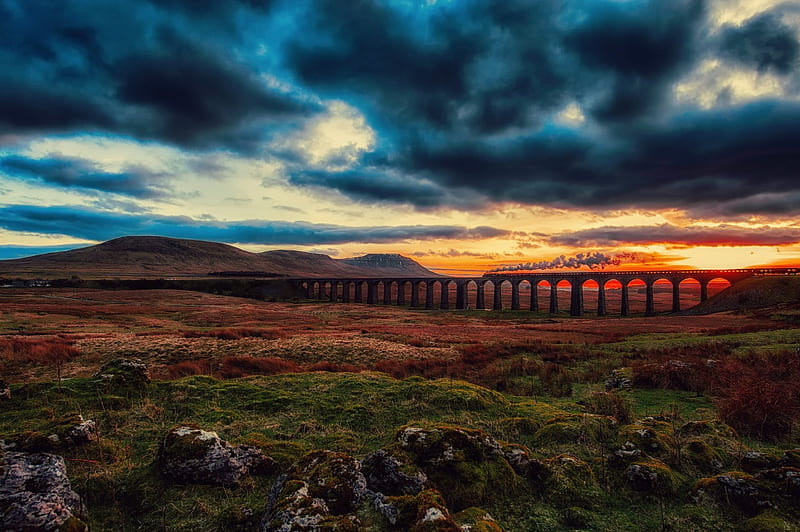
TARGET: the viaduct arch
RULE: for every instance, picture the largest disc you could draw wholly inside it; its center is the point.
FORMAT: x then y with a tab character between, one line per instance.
393	290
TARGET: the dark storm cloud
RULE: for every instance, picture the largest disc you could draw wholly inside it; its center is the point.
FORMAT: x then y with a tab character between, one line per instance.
638	50
763	42
91	224
194	96
486	66
697	158
70	172
464	97
720	235
122	68
379	184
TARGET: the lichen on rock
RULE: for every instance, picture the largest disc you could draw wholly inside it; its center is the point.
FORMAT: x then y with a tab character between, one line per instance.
131	373
320	492
35	494
190	454
71	430
389	475
467	466
650	476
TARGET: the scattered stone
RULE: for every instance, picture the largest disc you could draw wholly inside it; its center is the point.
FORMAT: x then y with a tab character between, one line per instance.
190	454
703	456
124	373
571	483
519	457
424	512
467	466
734	488
36	495
782	481
320	492
388	475
5	391
647	439
755	461
476	520
621	379
69	431
650	476
791	458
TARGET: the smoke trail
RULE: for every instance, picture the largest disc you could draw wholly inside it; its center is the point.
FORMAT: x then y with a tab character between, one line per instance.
593	260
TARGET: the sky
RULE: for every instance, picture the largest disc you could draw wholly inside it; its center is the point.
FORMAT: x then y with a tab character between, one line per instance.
466	134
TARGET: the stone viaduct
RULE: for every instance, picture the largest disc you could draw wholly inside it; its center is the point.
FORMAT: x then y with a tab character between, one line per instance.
394	290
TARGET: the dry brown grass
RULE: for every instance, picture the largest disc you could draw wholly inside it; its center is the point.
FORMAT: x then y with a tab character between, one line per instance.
168	327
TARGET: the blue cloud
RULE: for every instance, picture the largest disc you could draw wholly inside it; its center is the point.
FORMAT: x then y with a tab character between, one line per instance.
18	252
71	172
91	224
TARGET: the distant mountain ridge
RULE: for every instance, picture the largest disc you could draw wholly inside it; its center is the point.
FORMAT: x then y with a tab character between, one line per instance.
155	256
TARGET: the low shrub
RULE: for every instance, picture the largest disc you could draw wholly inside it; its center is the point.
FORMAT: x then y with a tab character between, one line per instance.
234	333
233	367
609	404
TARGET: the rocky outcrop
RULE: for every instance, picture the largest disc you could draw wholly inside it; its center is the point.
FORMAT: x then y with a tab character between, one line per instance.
467	466
388	475
191	455
69	431
327	490
123	373
650	476
36	495
734	488
320	492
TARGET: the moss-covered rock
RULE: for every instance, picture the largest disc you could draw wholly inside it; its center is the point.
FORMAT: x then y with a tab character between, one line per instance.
581	429
735	488
516	428
791	458
783	482
468	466
71	430
768	521
648	440
571	483
190	454
476	520
650	476
707	427
5	391
523	463
126	373
703	456
391	475
755	461
423	512
35	494
621	378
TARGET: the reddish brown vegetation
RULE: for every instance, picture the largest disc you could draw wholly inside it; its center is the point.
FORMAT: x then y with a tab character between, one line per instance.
53	352
237	366
757	394
234	333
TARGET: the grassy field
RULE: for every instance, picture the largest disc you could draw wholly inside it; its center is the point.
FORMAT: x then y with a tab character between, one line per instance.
295	377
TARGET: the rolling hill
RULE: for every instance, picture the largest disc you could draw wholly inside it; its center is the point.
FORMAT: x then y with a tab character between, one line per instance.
154	256
750	294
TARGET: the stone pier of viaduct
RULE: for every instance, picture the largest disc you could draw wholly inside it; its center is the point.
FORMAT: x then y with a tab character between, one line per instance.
394	290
